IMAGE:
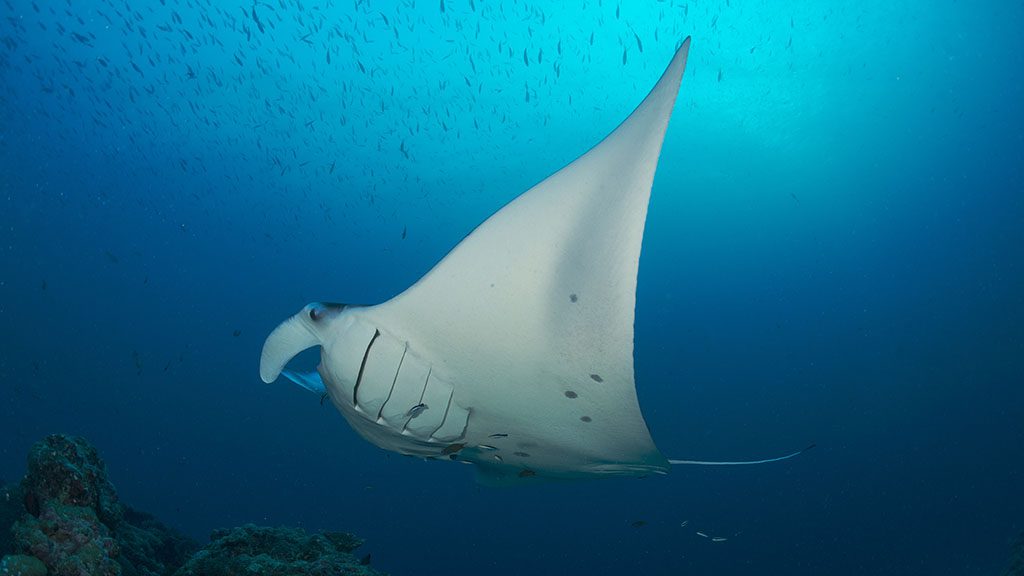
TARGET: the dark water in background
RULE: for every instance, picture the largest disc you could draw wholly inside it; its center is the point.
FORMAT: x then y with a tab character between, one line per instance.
833	254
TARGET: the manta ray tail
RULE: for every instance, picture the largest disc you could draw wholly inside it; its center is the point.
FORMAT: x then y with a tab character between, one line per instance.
743	463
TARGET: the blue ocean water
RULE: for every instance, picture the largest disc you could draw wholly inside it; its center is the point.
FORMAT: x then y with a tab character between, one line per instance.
834	253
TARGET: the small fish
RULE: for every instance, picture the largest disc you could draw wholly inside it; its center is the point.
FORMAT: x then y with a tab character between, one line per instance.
82	39
486	447
236	333
684	523
256	19
405	230
702	535
719	539
417	410
365	560
526	473
452	449
499	435
639	523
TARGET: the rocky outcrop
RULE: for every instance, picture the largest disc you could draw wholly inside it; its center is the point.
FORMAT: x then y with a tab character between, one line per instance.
72	522
65	519
277	552
10	510
1016	567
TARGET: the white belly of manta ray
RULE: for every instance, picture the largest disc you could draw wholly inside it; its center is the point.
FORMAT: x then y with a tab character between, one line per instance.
515	352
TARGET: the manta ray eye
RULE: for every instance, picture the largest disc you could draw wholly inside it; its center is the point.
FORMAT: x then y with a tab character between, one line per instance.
321	309
318	312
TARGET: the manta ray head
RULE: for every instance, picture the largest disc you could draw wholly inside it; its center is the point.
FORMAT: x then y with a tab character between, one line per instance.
304	330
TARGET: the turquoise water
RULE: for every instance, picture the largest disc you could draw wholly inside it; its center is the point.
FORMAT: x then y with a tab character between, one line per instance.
833	253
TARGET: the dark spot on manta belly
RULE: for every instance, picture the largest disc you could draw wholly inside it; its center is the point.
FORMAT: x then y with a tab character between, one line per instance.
596	378
452	449
573	298
570	394
585	418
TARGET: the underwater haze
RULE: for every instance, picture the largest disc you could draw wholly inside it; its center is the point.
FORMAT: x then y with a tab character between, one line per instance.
834	253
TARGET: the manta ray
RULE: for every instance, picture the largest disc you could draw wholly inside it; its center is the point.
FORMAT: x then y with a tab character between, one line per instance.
515	352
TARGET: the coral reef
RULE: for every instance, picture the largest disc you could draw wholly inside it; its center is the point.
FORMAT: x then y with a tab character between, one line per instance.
1016	567
67	470
65	520
20	565
10	510
277	552
148	547
70	540
73	523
